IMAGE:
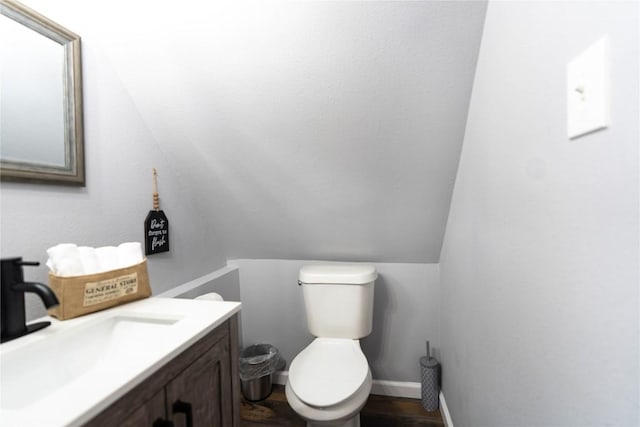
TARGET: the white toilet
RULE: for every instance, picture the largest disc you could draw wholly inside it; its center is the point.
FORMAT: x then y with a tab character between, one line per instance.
330	380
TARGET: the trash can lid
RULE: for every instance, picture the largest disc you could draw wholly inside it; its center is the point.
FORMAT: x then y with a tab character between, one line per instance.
258	353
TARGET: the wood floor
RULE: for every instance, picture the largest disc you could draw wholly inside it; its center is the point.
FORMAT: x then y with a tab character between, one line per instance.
380	411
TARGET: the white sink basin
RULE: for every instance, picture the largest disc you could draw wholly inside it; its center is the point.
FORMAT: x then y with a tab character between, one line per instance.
59	359
70	371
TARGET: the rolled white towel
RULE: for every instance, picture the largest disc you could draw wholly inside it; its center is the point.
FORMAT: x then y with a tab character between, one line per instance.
211	296
61	249
130	253
89	260
64	260
69	267
67	259
107	258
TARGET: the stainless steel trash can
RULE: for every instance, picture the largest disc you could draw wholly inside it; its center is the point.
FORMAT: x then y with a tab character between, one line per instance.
257	365
257	388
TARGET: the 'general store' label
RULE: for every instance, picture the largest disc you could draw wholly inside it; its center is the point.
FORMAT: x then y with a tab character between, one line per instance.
110	289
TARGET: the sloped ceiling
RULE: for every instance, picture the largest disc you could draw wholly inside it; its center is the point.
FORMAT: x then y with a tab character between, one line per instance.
306	130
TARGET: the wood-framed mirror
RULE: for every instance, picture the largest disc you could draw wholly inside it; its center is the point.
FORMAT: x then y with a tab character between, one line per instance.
41	124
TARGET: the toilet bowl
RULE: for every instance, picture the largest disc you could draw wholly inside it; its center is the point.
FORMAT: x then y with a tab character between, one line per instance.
330	380
329	383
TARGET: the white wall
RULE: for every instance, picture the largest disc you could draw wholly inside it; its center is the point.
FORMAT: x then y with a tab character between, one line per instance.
406	313
304	129
120	152
539	266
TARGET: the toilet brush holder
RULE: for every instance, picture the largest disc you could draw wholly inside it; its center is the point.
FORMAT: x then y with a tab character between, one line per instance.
430	396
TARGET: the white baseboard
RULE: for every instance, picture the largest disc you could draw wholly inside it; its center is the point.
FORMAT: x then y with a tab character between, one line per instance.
382	387
280	377
396	388
444	411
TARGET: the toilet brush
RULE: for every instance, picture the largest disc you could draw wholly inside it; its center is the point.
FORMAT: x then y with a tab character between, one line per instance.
430	381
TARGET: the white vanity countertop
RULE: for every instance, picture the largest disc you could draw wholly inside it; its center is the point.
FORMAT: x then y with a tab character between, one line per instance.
69	372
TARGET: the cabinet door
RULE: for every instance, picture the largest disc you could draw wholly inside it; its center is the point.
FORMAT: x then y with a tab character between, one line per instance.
152	413
201	395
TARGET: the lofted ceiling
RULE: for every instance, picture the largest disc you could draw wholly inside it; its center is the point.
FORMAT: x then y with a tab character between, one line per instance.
306	130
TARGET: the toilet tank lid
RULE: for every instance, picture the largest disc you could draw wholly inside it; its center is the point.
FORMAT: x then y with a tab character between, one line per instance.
351	274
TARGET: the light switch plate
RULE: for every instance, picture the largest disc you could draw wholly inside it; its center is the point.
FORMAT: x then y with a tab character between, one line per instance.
588	102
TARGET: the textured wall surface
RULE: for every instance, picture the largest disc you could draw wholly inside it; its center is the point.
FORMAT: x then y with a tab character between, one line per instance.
301	130
539	267
295	130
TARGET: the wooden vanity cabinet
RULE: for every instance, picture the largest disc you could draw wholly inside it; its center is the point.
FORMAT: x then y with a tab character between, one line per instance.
198	388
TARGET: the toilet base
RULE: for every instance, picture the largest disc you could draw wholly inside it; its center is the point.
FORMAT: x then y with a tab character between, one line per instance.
351	422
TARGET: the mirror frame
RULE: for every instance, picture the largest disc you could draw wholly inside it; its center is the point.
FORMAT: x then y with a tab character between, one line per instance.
73	173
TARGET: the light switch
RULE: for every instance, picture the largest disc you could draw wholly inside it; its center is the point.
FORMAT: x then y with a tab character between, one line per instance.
588	90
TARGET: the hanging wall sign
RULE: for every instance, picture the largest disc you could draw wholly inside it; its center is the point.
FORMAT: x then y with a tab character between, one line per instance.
156	225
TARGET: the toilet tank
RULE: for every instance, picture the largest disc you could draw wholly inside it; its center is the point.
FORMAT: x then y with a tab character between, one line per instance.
338	299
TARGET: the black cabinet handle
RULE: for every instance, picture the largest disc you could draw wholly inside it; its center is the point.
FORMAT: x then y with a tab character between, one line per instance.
185	408
161	422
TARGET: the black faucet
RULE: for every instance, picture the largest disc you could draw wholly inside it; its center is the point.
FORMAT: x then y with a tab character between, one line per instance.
12	290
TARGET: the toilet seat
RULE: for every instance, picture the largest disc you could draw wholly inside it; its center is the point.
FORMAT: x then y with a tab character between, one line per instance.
328	371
